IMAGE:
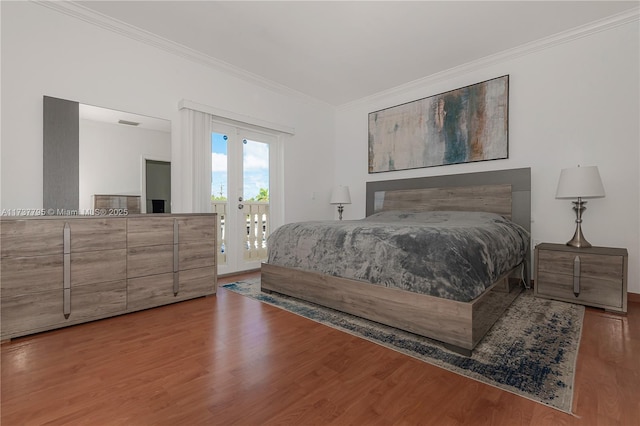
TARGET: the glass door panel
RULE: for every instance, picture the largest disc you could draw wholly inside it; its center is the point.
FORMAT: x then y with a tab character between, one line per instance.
255	178
219	193
240	196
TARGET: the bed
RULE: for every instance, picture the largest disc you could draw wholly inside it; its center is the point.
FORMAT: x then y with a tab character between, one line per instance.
499	198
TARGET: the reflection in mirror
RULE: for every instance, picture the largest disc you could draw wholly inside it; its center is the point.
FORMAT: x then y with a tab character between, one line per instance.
115	152
100	158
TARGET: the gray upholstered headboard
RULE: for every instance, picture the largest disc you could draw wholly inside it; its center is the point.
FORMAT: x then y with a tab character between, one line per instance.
519	179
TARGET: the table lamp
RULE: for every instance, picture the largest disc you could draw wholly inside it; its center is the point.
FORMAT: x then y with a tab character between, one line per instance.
579	182
340	196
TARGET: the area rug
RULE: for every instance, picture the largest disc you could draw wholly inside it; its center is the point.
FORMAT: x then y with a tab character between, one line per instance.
531	351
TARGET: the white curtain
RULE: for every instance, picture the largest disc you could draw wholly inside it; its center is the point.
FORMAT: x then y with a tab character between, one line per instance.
196	140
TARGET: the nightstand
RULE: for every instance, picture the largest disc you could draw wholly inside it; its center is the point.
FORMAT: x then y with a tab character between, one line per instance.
595	276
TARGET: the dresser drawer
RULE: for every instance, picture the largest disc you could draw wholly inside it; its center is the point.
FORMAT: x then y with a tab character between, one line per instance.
196	255
149	291
149	260
31	237
31	313
44	310
98	234
197	282
98	300
149	231
33	274
196	228
98	266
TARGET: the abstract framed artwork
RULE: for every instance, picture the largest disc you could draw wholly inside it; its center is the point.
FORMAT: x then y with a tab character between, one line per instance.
460	126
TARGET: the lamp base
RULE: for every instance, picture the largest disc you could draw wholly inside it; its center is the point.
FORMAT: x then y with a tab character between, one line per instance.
578	239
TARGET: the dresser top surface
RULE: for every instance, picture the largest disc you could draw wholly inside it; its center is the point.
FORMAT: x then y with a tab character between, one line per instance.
106	216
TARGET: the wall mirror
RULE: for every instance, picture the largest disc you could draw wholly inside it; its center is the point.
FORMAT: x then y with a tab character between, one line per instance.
99	158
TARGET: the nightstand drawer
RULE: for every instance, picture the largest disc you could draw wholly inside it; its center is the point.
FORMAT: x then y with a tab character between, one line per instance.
592	291
597	266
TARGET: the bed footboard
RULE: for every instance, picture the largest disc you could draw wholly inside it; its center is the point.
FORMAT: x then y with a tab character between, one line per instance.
458	324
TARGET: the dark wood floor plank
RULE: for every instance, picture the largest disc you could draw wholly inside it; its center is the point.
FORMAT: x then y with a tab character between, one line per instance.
230	360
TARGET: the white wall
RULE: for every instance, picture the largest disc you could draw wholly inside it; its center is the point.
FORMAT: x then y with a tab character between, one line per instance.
110	158
45	52
573	103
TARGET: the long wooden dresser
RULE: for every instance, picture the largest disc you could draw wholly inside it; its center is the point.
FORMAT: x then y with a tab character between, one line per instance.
57	271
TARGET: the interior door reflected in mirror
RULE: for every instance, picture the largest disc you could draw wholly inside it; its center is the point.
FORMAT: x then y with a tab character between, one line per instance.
123	160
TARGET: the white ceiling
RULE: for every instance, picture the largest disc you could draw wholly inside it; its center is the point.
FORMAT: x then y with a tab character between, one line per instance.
339	51
111	116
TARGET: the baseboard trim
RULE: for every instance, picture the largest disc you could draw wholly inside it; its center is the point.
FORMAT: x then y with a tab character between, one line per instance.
633	297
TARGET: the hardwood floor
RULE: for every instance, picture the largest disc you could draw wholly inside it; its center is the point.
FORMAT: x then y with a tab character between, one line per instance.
227	359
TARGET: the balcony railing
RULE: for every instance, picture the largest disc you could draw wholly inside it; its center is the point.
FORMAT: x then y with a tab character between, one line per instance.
256	216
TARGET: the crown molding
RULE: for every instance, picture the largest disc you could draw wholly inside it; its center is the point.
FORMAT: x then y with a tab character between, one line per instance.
90	16
506	55
87	15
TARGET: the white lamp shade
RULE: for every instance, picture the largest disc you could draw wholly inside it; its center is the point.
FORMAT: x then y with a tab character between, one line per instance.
583	182
340	195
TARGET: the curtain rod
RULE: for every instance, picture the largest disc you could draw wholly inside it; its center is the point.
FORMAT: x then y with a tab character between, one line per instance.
240	118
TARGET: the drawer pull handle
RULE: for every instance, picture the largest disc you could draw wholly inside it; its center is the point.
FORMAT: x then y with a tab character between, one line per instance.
66	273
176	283
576	276
176	257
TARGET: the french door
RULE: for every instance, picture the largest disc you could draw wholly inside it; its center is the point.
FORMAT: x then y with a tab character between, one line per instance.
240	194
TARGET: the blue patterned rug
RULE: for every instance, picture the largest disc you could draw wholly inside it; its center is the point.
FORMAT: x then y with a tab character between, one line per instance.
531	351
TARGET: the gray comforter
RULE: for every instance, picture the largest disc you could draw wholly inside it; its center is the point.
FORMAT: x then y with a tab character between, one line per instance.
454	255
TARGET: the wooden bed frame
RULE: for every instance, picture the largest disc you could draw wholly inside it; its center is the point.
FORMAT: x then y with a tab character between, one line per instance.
459	325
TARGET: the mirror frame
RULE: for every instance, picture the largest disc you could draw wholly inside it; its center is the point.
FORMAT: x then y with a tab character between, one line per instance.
60	162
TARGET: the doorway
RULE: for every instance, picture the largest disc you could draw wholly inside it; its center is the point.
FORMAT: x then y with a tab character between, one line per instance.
157	186
240	195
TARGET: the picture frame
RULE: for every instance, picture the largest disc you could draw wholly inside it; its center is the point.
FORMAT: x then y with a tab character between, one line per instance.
464	125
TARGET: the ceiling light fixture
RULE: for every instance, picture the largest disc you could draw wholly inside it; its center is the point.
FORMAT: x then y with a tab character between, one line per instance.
128	123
